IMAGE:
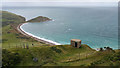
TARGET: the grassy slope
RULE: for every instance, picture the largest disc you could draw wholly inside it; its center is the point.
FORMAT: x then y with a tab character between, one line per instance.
64	55
12	38
48	56
10	18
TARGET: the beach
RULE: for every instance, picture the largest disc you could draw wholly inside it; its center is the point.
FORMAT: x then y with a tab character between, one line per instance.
19	28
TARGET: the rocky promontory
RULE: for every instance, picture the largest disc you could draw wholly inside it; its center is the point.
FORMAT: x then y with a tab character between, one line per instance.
39	19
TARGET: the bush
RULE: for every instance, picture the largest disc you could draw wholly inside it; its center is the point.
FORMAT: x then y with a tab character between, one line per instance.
9	58
101	49
56	50
4	40
96	62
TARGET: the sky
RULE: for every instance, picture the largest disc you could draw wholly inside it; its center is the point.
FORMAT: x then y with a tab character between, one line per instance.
59	2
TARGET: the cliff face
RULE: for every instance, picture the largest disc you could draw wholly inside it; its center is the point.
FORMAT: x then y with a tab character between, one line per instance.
10	18
39	19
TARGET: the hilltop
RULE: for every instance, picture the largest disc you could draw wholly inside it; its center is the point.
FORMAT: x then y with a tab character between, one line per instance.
10	18
39	19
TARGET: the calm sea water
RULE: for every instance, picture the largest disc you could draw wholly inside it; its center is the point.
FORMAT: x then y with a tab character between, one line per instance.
95	26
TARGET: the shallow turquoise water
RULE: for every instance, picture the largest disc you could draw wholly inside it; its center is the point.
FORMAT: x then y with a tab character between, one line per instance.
95	26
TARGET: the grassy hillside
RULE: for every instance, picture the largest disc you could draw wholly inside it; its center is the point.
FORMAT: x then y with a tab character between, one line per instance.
49	55
11	38
10	18
63	55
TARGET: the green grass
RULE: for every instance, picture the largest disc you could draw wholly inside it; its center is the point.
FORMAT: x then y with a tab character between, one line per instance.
48	56
62	55
11	18
10	40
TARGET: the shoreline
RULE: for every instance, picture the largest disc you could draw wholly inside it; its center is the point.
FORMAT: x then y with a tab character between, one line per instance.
46	41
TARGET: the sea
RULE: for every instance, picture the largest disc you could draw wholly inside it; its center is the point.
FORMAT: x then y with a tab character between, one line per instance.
95	26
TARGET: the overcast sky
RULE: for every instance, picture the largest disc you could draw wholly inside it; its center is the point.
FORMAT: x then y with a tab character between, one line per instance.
59	2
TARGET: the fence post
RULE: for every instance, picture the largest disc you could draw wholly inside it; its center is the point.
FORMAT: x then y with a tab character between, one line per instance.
24	46
16	45
27	46
9	45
